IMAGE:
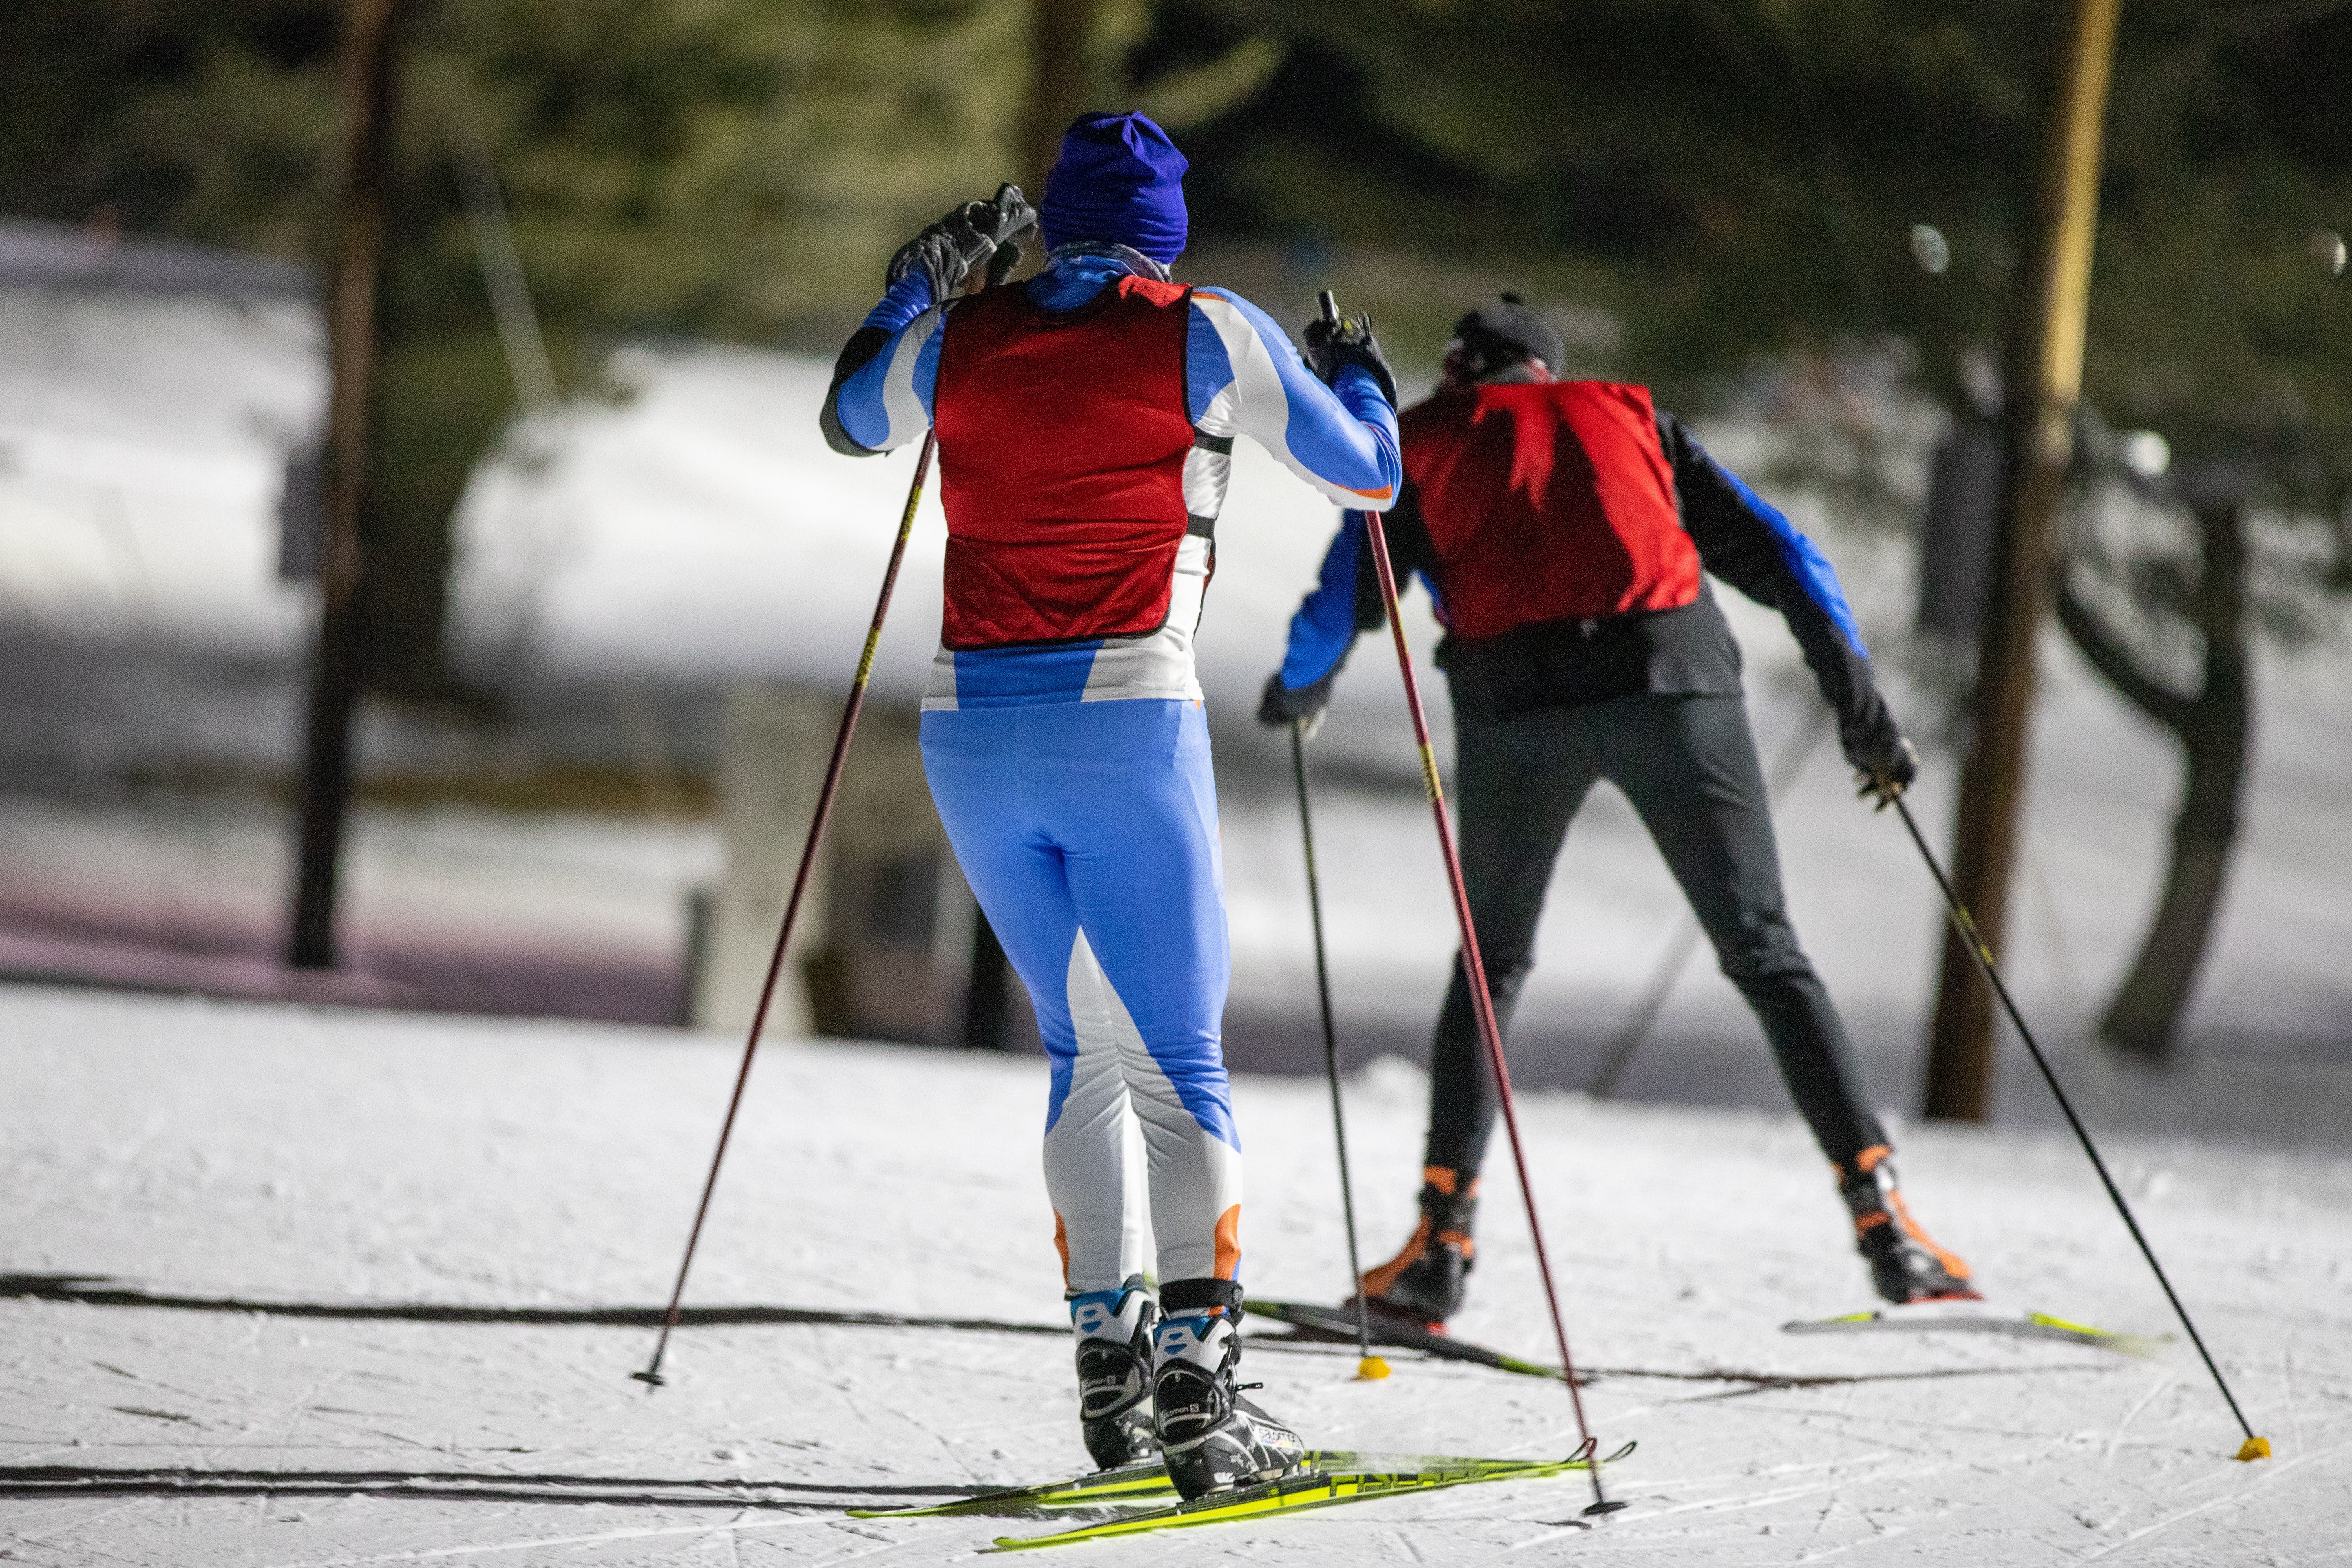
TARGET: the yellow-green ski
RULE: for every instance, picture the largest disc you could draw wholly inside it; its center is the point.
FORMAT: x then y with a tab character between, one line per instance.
1976	1317
1149	1482
1317	1488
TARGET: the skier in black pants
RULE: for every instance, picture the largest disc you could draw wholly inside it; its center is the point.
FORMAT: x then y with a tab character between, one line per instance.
1565	529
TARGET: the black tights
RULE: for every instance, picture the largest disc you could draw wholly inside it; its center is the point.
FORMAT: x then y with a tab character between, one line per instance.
1688	765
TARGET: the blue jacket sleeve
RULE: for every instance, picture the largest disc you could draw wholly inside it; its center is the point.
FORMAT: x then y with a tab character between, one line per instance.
1246	379
1346	599
1745	540
864	413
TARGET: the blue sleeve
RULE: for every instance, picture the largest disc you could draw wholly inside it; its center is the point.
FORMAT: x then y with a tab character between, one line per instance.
883	382
1744	539
1247	380
1803	559
1346	601
1325	629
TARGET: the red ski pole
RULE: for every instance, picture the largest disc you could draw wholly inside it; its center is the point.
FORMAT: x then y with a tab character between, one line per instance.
1474	971
849	712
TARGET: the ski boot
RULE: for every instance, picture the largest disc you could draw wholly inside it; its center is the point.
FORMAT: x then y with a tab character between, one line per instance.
1423	1284
1114	1328
1210	1437
1904	1264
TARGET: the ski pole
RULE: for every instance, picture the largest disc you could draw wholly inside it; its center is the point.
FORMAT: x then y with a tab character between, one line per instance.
1369	1367
2254	1448
849	712
1474	974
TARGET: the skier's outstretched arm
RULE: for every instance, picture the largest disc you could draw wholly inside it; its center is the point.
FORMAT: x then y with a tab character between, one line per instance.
1246	378
1745	540
1344	603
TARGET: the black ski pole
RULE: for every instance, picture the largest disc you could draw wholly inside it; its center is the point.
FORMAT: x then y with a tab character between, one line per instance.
849	712
2253	1448
1473	973
1369	1367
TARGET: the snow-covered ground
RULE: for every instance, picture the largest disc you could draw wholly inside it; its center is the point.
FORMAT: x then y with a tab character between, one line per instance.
225	1158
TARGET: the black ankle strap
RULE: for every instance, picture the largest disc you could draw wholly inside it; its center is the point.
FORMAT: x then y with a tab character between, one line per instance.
1200	1295
1448	1211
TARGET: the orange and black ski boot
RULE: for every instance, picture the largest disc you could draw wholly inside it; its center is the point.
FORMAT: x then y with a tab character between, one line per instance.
1905	1264
1423	1284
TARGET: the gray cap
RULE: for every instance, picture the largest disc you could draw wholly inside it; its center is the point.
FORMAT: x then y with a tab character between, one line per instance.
1504	333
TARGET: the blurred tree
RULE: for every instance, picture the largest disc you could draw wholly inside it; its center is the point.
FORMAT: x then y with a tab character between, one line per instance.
1731	177
1748	176
2221	320
737	168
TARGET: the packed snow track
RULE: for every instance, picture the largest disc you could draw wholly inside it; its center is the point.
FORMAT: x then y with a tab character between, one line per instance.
288	1289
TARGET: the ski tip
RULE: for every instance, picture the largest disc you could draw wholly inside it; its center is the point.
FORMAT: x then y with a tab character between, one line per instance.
2254	1448
1372	1368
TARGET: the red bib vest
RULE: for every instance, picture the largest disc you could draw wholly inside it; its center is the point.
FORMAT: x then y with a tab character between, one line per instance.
1062	449
1549	501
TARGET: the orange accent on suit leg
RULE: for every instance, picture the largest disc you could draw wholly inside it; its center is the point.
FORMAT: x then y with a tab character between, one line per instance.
1062	1246
1229	1242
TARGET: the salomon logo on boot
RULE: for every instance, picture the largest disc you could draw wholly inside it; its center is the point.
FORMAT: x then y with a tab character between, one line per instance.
1114	1329
1212	1439
1905	1264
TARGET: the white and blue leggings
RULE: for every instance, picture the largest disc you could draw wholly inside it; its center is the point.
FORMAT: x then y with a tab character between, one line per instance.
1088	832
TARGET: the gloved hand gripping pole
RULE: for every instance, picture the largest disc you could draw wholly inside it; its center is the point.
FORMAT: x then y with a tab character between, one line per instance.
1369	1367
849	712
1474	971
1891	793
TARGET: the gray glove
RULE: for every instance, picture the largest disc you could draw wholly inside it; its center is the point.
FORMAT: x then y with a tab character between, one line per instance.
1330	348
974	234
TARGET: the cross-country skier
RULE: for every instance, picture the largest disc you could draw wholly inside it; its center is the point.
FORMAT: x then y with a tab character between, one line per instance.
1085	423
1565	529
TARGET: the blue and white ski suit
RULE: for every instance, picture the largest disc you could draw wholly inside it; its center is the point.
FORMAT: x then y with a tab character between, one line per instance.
1075	783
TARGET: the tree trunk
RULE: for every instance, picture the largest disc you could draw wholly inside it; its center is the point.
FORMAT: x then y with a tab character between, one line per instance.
2214	731
368	75
1061	47
2045	378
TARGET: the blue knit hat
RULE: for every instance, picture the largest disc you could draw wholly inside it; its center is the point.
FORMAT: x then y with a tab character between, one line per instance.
1119	178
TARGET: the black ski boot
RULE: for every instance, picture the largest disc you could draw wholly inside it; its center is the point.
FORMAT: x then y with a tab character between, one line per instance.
1114	1328
1212	1439
1905	1264
1423	1284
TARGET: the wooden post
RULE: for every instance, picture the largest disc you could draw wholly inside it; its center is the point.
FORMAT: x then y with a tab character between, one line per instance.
1061	53
367	79
2044	382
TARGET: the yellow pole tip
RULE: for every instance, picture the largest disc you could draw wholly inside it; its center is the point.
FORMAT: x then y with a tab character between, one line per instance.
2255	1449
1372	1368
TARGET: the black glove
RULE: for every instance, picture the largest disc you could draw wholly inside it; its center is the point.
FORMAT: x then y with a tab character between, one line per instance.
974	234
1330	348
1884	764
1283	705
